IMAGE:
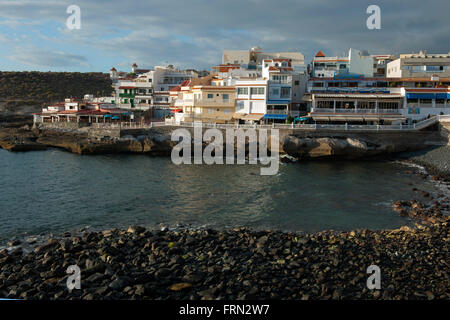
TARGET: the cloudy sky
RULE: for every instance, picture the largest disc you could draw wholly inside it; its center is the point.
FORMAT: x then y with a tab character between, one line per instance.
193	33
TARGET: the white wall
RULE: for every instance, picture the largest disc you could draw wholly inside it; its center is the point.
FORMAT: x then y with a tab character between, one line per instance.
393	69
360	64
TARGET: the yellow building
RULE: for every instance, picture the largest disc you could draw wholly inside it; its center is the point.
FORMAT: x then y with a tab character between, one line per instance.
205	102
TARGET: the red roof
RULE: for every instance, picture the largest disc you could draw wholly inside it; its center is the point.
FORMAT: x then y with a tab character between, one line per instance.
178	87
134	65
320	54
113	69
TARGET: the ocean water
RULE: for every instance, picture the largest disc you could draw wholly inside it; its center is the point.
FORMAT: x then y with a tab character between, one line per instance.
55	191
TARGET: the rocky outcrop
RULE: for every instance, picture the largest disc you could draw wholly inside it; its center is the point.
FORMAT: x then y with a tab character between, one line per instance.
20	139
329	147
26	139
157	141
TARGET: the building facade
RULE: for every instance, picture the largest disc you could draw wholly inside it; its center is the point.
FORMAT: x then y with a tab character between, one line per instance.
420	65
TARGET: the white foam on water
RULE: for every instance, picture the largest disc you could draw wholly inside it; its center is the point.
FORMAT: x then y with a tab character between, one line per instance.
412	165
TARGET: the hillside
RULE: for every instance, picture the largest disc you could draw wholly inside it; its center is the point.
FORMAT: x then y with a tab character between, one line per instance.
28	90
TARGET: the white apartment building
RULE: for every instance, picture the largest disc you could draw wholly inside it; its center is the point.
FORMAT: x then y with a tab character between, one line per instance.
420	65
149	89
357	62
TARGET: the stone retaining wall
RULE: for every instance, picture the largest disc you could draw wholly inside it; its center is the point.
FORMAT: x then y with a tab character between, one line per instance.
61	125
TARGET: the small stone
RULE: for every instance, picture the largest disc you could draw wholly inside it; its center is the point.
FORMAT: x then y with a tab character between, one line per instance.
136	229
180	286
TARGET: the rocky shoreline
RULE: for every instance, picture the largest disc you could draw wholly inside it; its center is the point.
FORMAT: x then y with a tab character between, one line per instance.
436	159
234	264
139	263
194	264
80	139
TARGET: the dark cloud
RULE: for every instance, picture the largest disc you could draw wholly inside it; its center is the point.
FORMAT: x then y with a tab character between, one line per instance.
193	33
41	57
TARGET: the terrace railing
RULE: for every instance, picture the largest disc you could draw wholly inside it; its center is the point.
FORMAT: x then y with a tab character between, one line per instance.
298	126
357	110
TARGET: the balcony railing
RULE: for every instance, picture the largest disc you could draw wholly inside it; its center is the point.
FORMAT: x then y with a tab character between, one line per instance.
353	110
274	111
214	102
126	95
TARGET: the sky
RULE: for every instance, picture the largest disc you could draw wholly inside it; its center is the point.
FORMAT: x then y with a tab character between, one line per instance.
193	33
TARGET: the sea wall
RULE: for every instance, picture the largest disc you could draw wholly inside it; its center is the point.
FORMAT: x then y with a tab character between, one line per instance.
65	126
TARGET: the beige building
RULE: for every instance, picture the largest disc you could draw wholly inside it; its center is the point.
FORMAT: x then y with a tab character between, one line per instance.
205	102
256	56
420	65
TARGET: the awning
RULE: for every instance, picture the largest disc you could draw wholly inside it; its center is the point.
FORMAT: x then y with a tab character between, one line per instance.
176	110
253	117
442	95
275	116
224	117
108	116
239	115
301	118
420	95
115	118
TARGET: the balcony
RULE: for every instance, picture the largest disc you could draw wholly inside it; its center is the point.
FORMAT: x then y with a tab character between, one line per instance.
214	102
276	111
287	81
126	95
359	111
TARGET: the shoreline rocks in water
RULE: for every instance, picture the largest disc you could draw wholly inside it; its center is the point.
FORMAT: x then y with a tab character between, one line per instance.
435	159
157	141
234	264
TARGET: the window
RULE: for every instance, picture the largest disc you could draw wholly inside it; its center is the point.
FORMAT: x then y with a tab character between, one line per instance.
242	90
425	101
225	97
210	95
297	82
259	90
239	105
275	91
434	68
388	105
285	92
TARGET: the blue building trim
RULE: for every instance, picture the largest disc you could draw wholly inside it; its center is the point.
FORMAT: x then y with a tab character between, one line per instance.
278	101
427	96
275	116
